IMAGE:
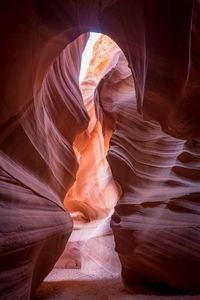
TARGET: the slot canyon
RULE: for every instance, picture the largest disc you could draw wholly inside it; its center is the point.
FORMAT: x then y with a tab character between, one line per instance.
100	175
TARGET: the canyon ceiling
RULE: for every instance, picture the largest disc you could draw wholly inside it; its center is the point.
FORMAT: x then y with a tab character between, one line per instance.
142	109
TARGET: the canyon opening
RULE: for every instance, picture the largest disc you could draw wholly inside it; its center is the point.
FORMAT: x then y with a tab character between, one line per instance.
93	195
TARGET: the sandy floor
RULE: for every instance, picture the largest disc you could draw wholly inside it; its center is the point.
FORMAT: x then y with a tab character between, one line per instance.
97	276
62	284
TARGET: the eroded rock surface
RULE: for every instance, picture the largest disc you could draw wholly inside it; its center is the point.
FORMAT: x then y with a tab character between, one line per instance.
94	193
159	177
38	165
154	150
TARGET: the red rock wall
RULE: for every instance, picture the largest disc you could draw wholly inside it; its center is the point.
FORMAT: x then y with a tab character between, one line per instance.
38	166
42	112
94	193
159	176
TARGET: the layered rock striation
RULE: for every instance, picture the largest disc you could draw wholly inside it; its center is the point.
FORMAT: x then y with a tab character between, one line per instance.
94	193
38	166
155	223
153	118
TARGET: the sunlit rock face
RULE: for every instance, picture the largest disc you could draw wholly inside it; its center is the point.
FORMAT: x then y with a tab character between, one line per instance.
105	56
154	150
94	193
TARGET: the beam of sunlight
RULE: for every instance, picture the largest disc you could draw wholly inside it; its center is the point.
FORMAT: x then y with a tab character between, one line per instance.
87	54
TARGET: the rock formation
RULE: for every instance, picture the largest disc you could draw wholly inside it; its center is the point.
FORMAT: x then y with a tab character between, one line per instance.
159	177
94	194
149	107
38	165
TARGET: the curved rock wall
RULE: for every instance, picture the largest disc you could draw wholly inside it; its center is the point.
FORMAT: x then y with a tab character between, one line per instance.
154	155
38	166
155	224
94	193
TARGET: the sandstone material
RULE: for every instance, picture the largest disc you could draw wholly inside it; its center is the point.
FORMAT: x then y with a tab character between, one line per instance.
148	111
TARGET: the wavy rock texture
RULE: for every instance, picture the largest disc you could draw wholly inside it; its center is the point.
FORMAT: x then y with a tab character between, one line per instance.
154	149
38	165
159	177
94	193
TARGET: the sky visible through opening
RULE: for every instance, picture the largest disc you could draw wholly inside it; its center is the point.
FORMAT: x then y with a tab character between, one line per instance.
87	54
